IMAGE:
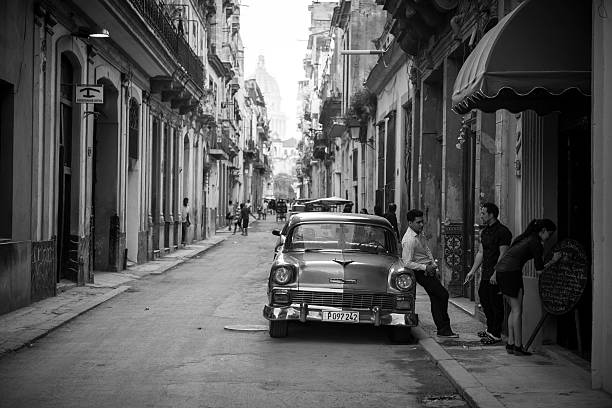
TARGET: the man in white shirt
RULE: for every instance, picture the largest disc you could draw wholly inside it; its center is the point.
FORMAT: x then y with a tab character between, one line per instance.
417	256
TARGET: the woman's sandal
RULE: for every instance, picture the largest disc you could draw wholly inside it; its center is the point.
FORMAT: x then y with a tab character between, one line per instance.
520	351
489	340
510	348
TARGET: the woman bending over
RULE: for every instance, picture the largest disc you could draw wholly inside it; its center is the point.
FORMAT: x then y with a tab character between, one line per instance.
508	275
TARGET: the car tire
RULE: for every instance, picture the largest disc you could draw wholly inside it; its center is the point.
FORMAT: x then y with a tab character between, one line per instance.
278	328
401	335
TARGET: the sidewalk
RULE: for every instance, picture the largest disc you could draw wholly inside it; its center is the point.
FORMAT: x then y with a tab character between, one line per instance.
21	327
487	376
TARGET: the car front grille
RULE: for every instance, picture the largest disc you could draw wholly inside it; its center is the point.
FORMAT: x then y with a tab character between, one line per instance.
346	299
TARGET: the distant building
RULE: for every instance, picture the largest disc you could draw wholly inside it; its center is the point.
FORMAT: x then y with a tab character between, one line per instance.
284	156
271	93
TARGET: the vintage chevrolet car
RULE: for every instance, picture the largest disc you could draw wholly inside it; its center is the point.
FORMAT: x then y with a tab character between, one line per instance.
340	267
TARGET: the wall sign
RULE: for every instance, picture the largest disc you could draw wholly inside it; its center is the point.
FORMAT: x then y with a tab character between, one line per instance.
89	94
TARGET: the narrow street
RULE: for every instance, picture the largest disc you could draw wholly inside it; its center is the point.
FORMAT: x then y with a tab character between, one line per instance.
166	343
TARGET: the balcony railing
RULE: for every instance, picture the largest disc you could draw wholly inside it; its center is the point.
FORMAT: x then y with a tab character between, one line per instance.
176	43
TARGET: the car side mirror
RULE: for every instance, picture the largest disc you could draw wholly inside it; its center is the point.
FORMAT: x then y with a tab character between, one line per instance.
276	232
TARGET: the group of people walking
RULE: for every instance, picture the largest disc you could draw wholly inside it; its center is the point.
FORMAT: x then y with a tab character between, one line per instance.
238	216
501	260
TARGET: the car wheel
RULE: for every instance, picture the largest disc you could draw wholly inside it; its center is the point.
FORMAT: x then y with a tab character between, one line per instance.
278	328
401	335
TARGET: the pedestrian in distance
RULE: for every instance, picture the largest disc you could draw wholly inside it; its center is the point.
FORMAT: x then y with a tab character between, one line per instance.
392	218
264	209
245	211
348	208
378	211
508	275
229	215
495	239
418	257
363	211
237	216
186	217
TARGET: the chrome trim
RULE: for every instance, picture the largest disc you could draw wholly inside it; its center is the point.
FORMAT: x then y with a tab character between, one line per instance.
344	281
343	299
342	262
376	311
296	312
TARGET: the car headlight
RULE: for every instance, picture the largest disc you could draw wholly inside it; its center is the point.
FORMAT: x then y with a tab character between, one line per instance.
281	275
404	281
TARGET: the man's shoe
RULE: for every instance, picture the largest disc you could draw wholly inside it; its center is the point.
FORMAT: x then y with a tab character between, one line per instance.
490	339
510	348
448	334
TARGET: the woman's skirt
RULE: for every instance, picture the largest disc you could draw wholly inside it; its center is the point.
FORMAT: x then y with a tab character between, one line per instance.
510	282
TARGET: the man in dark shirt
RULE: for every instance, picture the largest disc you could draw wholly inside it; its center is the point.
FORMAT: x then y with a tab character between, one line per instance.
495	239
392	218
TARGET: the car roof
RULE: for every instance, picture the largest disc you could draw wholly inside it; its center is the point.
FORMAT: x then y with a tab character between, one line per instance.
303	217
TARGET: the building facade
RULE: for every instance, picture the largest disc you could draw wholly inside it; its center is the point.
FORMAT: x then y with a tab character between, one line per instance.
101	141
469	109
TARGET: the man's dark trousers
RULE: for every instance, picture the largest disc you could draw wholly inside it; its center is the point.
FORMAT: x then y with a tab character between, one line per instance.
438	297
493	306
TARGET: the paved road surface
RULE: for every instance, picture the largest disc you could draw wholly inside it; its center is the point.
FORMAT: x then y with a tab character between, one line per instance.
164	343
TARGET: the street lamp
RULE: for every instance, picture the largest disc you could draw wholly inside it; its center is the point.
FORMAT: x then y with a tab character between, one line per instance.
87	32
355	130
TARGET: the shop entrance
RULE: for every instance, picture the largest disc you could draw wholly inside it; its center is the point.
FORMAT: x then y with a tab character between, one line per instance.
574	209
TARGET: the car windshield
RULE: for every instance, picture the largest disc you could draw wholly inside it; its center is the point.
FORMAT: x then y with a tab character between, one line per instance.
342	237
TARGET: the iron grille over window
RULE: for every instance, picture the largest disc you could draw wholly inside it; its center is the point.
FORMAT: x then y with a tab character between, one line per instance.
133	116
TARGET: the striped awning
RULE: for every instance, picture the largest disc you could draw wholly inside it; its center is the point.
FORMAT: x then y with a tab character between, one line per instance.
537	57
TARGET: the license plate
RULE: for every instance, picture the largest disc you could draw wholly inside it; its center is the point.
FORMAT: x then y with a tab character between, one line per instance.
347	317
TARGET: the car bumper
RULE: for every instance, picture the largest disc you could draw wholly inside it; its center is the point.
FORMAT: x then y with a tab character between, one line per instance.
374	316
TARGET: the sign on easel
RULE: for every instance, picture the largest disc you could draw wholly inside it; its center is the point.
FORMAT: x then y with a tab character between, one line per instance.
562	285
89	94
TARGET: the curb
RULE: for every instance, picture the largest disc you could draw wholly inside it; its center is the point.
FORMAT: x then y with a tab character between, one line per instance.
474	393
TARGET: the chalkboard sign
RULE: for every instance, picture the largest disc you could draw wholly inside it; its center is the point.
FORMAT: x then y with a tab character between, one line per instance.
563	283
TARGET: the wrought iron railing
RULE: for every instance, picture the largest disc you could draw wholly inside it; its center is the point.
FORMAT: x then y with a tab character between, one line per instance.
154	14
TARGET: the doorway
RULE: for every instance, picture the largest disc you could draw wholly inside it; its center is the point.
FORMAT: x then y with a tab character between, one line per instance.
105	185
574	212
133	201
67	193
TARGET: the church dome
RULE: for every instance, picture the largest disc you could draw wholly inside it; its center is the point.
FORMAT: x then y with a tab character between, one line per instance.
268	85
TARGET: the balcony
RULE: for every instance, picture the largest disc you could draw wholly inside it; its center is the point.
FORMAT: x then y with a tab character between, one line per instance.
330	109
220	147
154	15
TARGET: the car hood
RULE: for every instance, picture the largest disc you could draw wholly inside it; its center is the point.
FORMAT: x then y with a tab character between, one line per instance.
353	271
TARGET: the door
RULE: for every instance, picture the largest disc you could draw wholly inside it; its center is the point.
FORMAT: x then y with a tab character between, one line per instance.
469	180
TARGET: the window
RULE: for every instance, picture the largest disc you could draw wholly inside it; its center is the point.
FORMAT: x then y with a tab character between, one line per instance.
342	237
6	159
133	122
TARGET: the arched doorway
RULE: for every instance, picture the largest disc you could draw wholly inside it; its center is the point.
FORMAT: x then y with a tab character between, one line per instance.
133	196
105	181
68	167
